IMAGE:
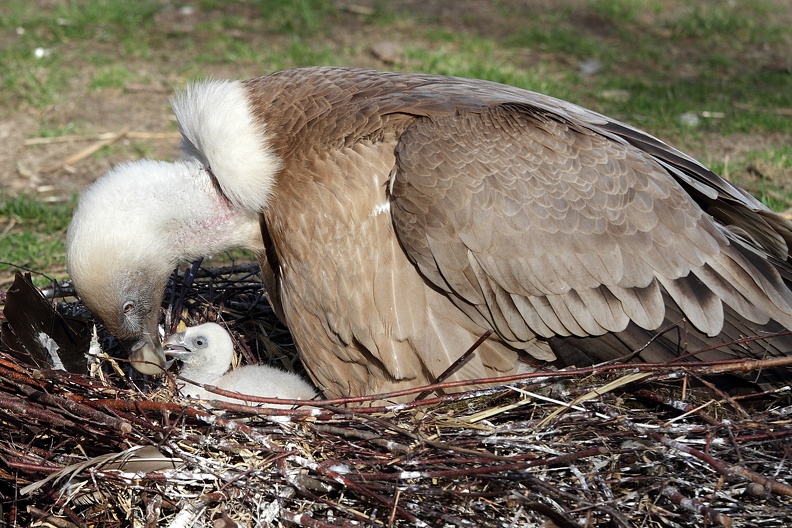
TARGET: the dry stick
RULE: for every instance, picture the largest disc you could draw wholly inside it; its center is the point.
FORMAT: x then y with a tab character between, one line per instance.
301	519
349	510
62	377
65	508
486	470
79	156
27	467
23	406
555	518
724	468
753	108
677	404
760	437
18	375
9	227
420	438
72	138
742	341
50	518
604	507
229	425
78	409
393	510
711	386
694	505
456	364
711	367
374	438
763	394
259	411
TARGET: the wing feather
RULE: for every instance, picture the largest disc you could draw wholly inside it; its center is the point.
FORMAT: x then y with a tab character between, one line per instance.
643	306
547	227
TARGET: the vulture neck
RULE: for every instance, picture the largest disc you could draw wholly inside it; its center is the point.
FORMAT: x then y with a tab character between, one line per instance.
202	221
177	213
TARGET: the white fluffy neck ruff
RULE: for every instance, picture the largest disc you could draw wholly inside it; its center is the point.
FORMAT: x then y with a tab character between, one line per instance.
151	214
220	130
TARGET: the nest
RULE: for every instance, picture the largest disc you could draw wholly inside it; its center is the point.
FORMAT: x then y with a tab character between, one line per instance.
619	445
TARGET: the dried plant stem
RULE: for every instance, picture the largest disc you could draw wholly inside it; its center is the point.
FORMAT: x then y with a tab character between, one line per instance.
713	515
87	152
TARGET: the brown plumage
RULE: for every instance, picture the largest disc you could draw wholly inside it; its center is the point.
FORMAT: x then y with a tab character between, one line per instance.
398	217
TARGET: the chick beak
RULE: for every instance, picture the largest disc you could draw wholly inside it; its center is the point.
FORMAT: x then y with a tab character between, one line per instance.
174	346
146	355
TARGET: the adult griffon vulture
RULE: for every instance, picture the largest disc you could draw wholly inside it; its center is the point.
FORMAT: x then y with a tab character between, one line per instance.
399	217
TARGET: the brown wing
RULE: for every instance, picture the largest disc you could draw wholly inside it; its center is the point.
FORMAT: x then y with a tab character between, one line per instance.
546	226
533	216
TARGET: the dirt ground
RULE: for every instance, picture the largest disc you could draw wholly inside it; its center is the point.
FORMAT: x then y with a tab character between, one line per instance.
142	107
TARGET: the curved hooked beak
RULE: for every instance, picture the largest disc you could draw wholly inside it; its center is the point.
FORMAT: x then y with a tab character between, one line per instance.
146	355
174	346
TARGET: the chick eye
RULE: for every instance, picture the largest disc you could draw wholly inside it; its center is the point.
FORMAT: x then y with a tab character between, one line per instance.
128	306
200	341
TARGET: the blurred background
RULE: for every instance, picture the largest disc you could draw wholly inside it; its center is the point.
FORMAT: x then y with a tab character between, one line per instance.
85	84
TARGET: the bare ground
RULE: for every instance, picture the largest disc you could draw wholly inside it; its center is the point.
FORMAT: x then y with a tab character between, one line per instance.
142	105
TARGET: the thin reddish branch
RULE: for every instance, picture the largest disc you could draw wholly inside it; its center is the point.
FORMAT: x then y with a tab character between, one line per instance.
23	406
78	409
724	468
704	368
694	505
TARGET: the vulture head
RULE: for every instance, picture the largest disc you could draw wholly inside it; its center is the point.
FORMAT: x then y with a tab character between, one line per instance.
397	218
133	226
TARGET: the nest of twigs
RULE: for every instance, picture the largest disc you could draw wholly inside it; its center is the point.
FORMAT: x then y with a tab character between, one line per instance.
610	446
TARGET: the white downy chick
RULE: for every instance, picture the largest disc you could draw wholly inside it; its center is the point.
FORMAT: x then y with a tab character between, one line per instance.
206	352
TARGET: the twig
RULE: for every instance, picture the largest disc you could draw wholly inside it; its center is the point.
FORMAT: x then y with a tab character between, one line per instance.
50	518
81	155
724	468
677	404
73	138
695	506
456	364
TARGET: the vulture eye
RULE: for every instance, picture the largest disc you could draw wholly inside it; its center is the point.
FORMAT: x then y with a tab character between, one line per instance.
128	306
200	342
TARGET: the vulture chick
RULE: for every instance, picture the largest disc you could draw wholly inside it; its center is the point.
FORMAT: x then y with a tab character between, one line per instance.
399	217
206	352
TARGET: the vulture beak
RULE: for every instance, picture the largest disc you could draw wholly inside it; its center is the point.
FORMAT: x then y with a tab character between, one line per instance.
145	354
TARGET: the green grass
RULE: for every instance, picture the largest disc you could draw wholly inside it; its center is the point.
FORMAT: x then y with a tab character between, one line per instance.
764	173
114	76
32	233
619	12
727	23
66	32
565	41
299	17
464	56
